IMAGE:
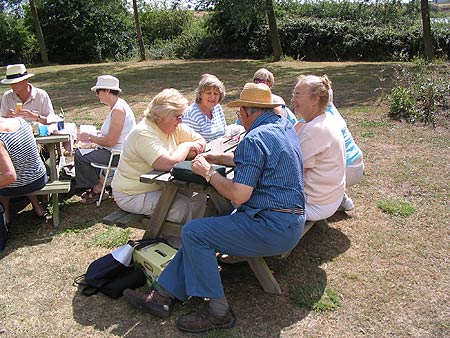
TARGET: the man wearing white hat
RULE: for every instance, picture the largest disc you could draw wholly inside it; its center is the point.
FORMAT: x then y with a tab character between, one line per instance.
33	104
268	186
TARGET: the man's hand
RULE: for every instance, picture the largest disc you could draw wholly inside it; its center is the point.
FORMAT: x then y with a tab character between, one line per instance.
23	113
200	166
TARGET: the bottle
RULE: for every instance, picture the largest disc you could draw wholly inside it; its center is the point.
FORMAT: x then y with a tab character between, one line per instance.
60	123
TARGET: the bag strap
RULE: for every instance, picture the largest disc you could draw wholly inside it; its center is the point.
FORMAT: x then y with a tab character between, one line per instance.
88	290
138	244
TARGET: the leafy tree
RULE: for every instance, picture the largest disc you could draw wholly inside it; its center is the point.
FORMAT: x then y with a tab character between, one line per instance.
236	20
80	31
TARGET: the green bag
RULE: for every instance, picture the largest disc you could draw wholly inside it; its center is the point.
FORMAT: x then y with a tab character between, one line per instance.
183	171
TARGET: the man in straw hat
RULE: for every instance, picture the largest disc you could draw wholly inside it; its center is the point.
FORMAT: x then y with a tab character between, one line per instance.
23	99
268	186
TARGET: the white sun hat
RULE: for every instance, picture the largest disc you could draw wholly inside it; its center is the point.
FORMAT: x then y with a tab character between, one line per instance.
16	73
107	82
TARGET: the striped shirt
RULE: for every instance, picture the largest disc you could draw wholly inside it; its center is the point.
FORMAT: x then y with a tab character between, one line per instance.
22	149
269	159
210	129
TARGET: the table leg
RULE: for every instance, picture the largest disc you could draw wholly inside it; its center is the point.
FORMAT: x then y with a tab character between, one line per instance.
161	210
53	169
222	205
264	275
55	206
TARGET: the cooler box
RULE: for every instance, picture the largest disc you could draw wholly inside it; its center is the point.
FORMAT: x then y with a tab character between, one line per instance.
153	259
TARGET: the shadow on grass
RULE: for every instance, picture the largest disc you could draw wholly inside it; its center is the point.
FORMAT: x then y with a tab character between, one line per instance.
259	314
354	83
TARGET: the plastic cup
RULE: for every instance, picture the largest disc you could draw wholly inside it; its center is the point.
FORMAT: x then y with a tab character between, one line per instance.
43	130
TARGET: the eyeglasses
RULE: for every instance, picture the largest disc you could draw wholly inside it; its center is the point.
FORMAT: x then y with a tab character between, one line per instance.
238	114
258	80
179	117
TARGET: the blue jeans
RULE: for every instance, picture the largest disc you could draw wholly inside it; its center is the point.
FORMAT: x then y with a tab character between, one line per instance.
248	232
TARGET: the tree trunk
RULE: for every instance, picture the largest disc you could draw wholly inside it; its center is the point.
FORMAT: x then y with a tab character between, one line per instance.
274	35
138	31
39	34
427	38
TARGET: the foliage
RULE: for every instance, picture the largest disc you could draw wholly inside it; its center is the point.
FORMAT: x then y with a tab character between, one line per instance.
421	93
396	207
17	43
163	24
78	31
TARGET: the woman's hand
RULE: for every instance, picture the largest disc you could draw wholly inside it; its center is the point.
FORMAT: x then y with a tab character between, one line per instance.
85	137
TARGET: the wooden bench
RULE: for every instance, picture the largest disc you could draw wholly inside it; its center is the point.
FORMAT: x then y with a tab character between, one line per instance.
54	188
258	264
262	271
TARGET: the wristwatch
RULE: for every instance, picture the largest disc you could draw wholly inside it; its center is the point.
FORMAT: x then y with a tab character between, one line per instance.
210	174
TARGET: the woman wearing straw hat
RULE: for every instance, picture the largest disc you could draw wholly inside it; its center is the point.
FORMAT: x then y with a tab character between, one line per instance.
118	124
33	104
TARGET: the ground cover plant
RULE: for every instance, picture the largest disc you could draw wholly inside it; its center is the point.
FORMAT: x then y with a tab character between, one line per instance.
371	273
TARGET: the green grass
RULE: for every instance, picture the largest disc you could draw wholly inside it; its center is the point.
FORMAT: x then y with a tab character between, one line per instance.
112	237
315	297
396	207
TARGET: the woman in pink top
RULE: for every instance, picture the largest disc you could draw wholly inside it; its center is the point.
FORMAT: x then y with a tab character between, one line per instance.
322	146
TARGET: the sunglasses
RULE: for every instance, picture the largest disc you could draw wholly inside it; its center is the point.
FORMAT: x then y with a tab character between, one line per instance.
258	80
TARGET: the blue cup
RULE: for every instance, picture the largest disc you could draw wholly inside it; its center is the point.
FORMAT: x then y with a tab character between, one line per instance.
43	130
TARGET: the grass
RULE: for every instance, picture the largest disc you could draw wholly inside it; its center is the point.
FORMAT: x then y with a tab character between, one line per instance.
395	207
369	274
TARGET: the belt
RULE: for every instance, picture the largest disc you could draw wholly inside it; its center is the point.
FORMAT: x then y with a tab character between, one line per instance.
297	211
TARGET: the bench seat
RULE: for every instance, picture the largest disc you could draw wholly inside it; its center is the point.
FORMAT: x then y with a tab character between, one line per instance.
55	187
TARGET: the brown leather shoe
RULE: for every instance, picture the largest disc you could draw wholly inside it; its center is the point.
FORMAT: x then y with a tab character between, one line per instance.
204	321
152	303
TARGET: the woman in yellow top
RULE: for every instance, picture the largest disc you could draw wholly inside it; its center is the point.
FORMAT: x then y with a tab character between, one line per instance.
158	142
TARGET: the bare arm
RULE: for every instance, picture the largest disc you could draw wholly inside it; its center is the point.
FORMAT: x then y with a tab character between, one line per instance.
7	171
226	159
236	192
115	129
180	153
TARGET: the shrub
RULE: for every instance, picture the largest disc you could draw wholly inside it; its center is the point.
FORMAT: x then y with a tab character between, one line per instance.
421	93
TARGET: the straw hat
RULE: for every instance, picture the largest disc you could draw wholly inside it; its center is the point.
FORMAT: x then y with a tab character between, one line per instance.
16	73
257	95
107	82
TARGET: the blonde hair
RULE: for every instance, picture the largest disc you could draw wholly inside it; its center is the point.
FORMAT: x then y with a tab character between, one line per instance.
209	81
264	74
317	86
165	104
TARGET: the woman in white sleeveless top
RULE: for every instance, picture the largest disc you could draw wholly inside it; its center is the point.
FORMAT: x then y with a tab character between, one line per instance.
118	124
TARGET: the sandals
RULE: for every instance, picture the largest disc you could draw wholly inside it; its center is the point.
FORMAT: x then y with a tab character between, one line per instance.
90	197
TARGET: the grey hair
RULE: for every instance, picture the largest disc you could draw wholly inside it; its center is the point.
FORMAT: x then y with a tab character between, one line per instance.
317	86
209	81
265	74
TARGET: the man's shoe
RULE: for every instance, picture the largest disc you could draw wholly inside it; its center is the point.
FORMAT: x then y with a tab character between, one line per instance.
152	303
204	321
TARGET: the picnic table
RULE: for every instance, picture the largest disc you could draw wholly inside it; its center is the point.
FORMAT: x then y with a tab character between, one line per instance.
53	186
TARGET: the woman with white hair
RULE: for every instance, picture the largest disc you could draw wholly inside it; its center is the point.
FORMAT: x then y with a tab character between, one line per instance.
118	124
158	142
322	147
263	75
205	115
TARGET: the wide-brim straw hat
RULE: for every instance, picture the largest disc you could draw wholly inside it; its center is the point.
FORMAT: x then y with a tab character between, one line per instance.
257	95
16	73
107	82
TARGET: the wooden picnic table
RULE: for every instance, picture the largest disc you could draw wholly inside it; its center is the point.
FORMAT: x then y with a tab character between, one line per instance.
53	186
